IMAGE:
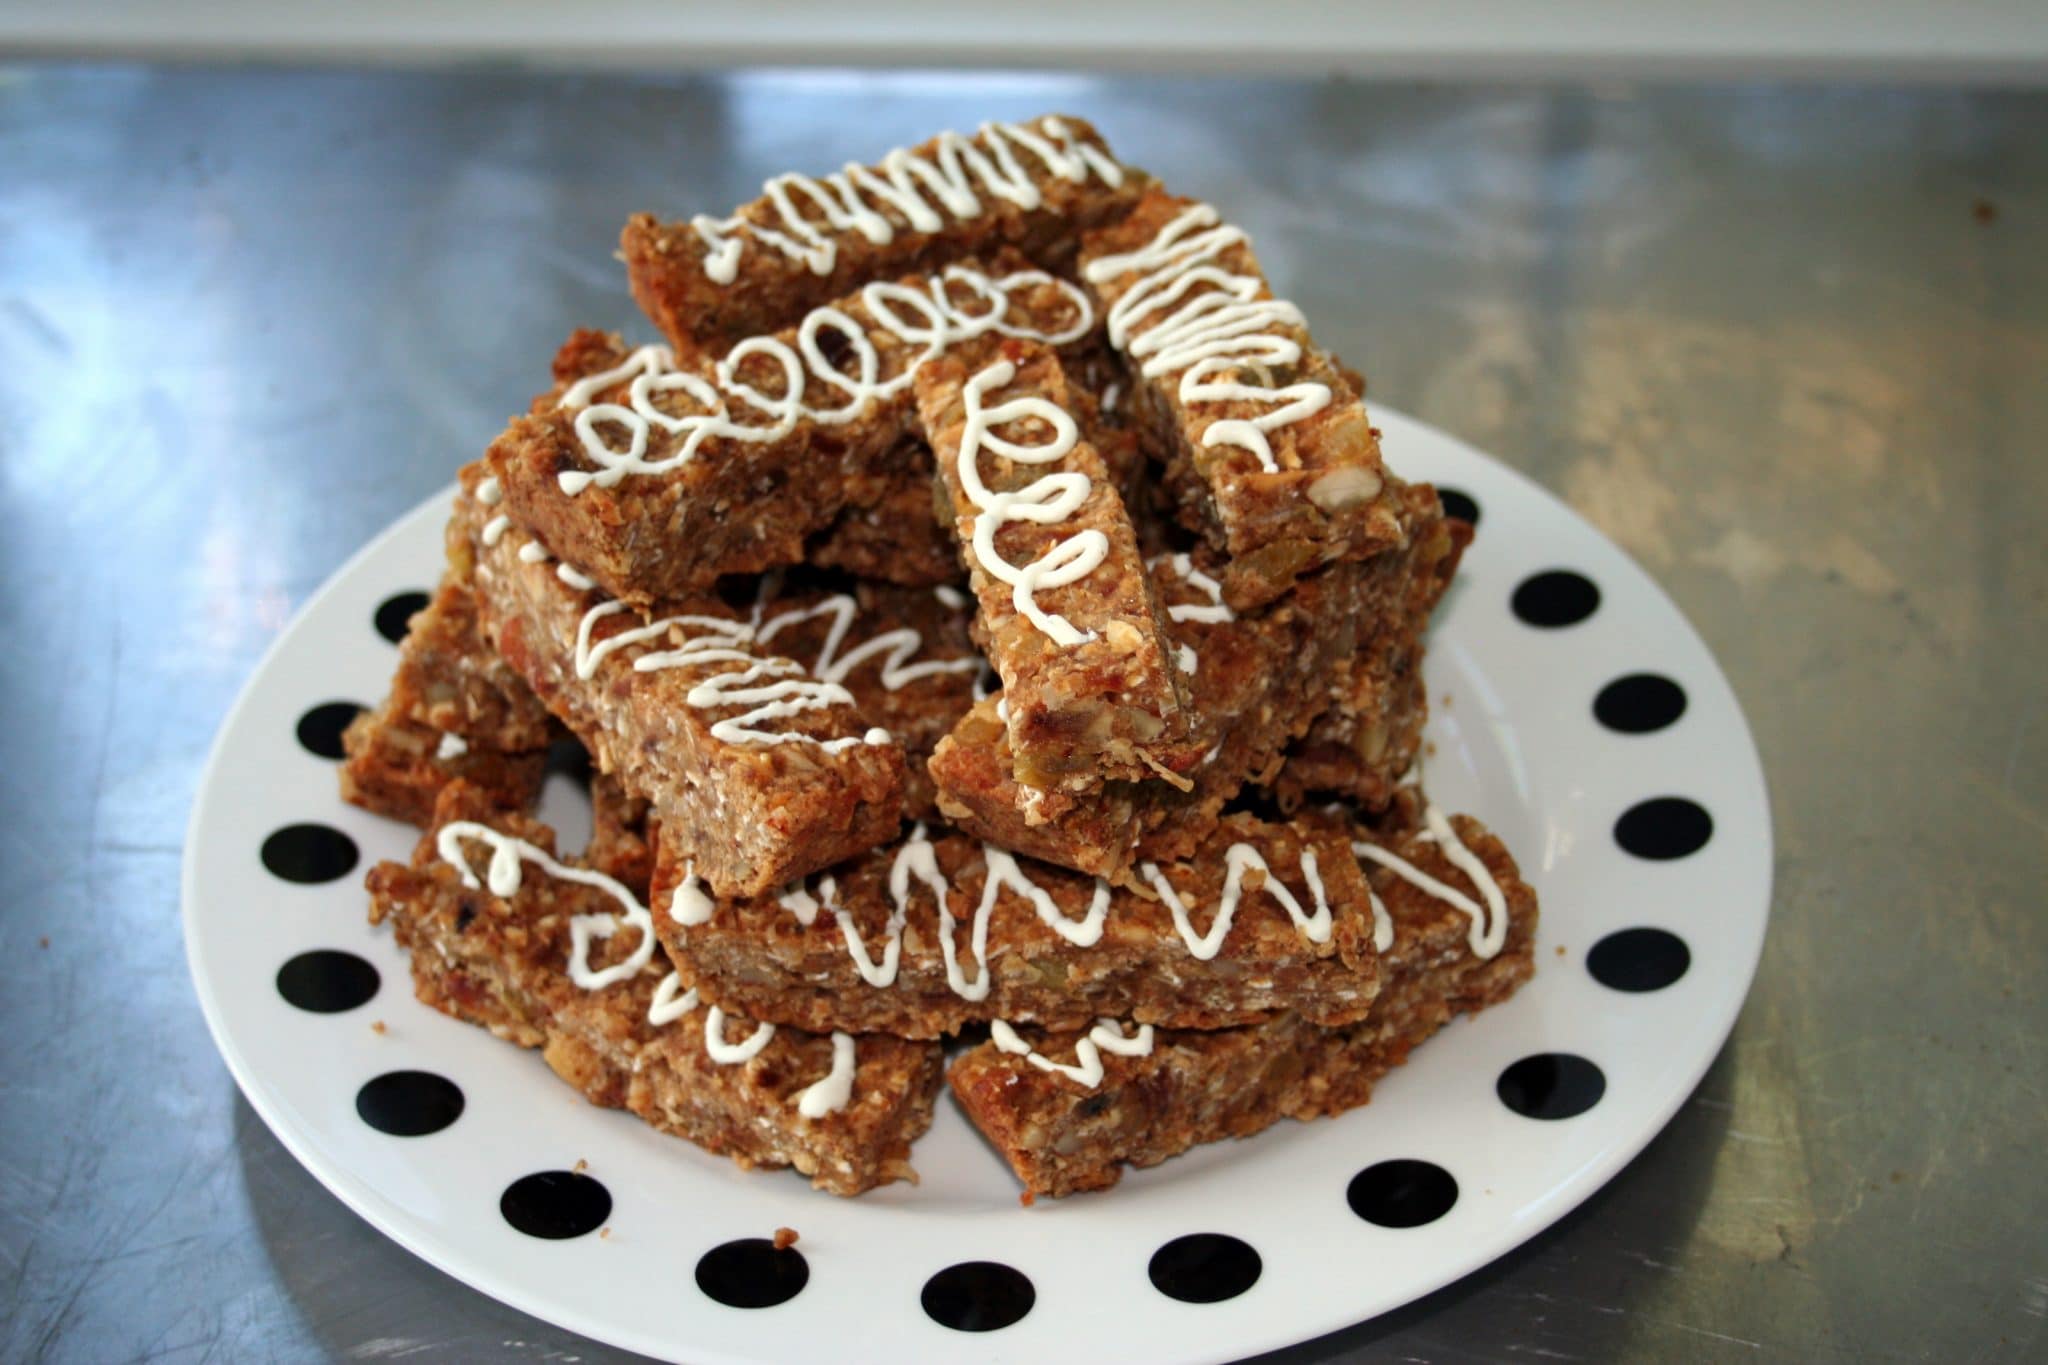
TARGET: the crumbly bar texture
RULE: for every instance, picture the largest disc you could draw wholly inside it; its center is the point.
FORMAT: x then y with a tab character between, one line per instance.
502	963
1268	451
760	271
759	771
396	768
1259	680
905	654
894	533
1061	1136
622	834
449	679
1358	749
656	476
1046	945
1091	690
455	711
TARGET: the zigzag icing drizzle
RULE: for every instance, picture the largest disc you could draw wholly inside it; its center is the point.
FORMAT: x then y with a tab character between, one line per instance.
896	648
1206	320
1106	1036
771	688
1489	930
923	190
917	859
1239	859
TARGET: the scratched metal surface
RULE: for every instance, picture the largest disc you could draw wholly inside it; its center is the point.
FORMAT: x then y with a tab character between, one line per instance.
1787	347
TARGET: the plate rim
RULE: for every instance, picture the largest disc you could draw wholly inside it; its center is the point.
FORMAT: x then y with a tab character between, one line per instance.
563	1313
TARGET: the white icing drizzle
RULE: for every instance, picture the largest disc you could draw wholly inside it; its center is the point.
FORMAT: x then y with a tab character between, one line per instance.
505	874
796	899
1382	922
950	597
1188	659
896	647
533	552
490	492
772	688
1489	922
495	528
671	1002
689	905
923	317
1220	330
1237	860
830	1093
1003	871
921	189
875	973
1106	1036
917	859
732	1054
1110	395
1046	501
452	745
1215	613
1003	709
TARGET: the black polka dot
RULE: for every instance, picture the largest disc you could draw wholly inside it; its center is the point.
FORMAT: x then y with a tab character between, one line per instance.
327	981
1404	1193
977	1296
1205	1267
409	1103
309	853
1639	960
1551	1085
1639	703
395	611
1459	505
751	1273
320	728
555	1204
1664	827
1556	597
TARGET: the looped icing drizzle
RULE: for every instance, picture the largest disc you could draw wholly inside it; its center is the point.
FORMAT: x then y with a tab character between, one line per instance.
1046	501
922	190
506	872
926	318
1106	1036
1189	312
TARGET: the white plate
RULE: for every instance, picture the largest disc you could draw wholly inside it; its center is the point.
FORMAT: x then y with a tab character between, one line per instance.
1516	742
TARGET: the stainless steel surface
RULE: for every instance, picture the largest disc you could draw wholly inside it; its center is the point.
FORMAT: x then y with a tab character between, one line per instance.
1789	348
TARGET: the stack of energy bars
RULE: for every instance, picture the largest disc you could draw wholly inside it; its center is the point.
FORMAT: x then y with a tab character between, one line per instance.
997	642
